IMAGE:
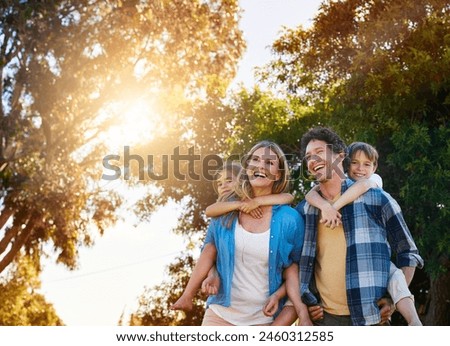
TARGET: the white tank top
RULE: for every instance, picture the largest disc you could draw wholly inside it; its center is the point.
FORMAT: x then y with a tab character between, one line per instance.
250	283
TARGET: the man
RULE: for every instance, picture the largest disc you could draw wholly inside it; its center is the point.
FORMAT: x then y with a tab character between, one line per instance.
348	268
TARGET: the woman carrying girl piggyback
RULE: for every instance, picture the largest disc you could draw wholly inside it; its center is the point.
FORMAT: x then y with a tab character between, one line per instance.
224	183
252	253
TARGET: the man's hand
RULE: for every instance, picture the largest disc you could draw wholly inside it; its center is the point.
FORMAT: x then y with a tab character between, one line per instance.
315	312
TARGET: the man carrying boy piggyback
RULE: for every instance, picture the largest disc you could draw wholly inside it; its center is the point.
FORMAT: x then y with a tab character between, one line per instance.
347	268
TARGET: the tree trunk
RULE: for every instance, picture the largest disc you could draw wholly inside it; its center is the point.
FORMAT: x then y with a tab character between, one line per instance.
439	301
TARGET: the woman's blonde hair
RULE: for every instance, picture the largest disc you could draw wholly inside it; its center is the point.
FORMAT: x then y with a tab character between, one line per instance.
244	189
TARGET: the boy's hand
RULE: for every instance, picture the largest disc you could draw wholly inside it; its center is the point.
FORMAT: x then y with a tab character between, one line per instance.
330	217
387	308
271	306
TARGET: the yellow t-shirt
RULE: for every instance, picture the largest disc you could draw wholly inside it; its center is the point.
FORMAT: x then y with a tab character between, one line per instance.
330	269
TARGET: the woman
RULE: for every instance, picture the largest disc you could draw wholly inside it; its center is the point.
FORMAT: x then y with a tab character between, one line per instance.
252	253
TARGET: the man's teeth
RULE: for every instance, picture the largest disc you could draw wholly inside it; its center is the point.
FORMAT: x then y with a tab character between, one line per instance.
318	167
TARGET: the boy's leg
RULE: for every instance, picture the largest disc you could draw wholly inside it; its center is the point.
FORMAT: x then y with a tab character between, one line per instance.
408	310
402	296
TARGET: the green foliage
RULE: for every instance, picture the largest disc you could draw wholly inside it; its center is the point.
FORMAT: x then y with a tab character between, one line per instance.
378	71
21	304
421	158
154	303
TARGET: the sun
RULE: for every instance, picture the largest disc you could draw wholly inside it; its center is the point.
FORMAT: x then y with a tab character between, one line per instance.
131	123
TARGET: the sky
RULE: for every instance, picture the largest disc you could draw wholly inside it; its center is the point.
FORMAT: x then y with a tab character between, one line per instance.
131	256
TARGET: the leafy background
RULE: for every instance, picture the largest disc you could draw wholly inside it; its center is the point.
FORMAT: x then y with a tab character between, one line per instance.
376	71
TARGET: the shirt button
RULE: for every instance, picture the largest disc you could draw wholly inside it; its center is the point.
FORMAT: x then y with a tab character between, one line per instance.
271	251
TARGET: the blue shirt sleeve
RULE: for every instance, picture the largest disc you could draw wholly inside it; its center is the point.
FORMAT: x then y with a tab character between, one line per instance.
298	238
211	232
399	236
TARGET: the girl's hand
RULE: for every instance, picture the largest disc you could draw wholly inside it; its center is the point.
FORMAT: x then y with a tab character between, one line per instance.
248	205
256	213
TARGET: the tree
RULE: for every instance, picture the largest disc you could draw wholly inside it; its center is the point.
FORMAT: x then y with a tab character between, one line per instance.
377	71
68	67
21	304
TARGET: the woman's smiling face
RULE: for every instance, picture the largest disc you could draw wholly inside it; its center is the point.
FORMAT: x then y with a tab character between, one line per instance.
263	168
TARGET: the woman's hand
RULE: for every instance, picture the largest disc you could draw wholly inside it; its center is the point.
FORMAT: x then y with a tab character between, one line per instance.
271	306
211	285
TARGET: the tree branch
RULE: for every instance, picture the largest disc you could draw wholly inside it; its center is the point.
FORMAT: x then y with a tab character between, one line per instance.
18	243
9	234
4	216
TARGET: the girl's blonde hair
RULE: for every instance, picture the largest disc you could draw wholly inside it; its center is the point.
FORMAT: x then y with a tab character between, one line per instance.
229	170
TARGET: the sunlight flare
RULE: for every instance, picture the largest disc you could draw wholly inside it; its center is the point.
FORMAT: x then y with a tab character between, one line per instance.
132	123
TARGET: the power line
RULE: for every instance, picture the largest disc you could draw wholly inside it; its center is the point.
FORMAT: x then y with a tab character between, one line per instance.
112	268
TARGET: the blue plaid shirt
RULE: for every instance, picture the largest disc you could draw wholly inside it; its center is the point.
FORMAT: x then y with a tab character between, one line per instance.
373	225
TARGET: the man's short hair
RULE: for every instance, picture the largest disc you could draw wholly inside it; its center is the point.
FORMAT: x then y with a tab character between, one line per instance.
322	134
